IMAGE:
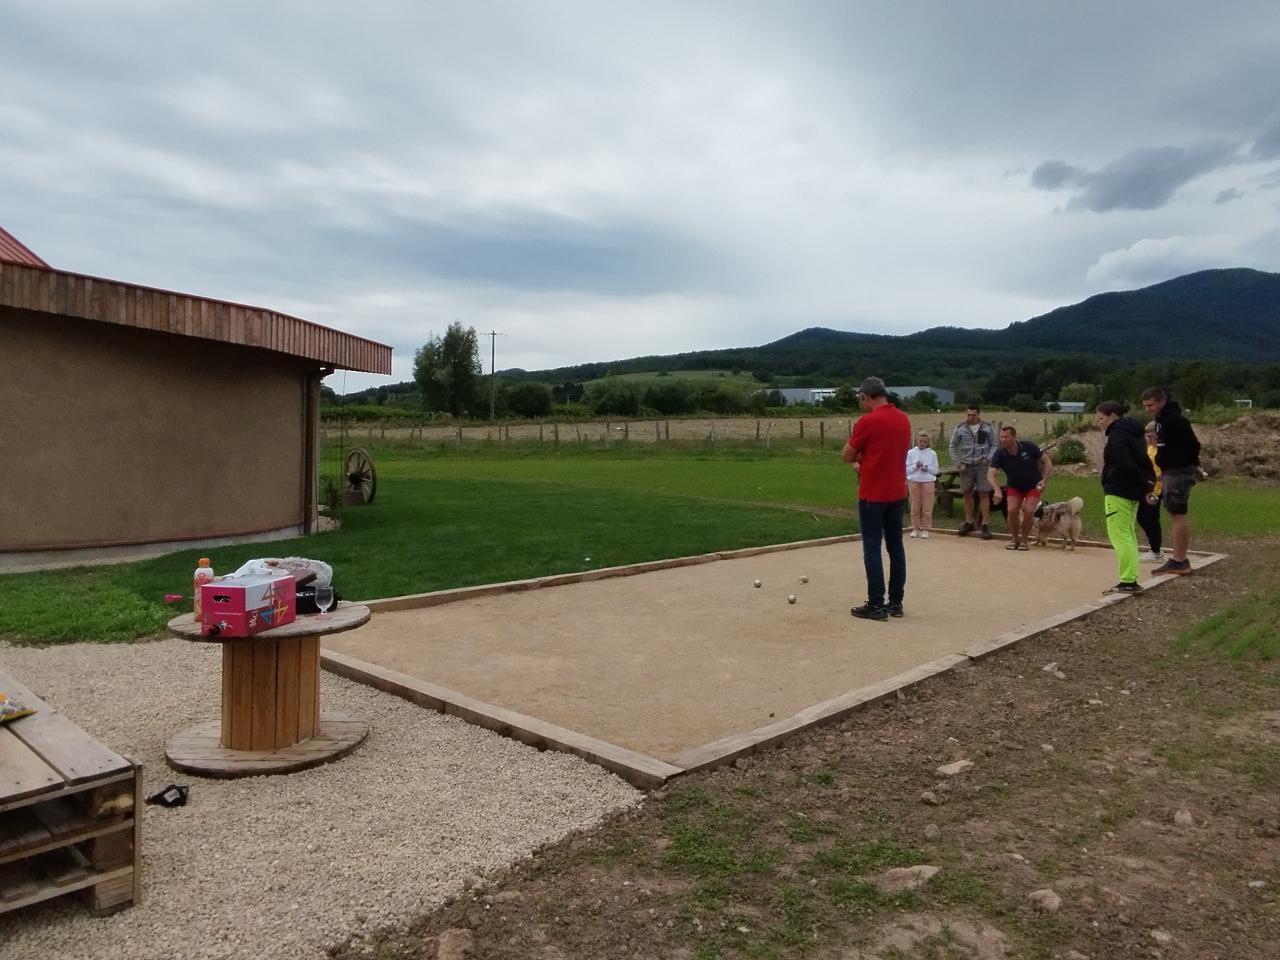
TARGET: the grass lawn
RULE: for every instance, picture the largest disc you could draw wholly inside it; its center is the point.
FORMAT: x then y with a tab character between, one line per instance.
448	517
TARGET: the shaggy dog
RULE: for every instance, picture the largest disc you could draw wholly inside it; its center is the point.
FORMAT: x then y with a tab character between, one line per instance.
1059	519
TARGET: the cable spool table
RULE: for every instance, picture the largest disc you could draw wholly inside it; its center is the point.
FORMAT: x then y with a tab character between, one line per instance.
271	719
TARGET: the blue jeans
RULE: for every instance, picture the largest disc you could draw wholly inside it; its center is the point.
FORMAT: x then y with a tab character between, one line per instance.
881	522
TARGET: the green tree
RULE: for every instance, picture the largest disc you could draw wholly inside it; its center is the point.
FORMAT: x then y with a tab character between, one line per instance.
1078	393
613	395
529	399
447	370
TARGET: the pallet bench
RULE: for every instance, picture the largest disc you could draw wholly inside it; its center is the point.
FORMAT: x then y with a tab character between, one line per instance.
70	812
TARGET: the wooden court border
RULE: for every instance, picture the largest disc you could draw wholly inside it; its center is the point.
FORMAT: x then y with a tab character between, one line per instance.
650	773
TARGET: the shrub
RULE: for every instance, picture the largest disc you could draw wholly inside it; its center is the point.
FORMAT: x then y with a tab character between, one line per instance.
1069	450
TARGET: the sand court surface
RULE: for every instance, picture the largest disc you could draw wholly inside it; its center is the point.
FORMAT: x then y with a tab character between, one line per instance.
668	662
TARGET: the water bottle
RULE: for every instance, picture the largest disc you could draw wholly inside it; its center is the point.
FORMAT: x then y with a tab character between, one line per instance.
203	575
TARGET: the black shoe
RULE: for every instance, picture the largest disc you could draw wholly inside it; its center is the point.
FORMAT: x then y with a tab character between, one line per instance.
868	612
1181	567
986	533
895	610
1124	587
966	528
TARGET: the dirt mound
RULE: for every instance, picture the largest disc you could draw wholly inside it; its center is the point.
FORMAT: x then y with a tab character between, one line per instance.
1248	447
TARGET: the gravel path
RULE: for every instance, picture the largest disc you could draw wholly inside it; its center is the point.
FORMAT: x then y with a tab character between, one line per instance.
282	867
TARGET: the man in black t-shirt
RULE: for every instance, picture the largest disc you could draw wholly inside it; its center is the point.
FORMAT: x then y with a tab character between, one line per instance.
1026	468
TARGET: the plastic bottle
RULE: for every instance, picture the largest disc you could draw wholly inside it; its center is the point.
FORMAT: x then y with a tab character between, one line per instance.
203	575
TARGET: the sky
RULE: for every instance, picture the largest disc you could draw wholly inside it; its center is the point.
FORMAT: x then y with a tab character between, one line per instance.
600	180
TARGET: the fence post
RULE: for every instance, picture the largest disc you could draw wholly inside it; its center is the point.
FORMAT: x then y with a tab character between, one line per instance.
767	431
626	430
555	428
539	432
459	440
822	433
667	430
802	428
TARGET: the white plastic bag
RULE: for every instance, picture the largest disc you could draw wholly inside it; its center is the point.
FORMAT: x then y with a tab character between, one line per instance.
298	566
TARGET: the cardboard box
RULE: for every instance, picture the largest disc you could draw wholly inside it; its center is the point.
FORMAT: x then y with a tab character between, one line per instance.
243	606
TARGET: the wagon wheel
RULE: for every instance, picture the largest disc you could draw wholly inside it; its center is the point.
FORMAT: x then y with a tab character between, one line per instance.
361	477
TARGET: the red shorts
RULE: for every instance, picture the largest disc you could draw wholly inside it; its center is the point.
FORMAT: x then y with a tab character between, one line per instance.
1014	494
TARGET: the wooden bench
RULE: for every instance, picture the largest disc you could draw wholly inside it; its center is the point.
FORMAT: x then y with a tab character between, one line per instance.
70	812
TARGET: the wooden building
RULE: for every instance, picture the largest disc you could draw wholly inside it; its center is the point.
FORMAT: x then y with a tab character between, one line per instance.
131	415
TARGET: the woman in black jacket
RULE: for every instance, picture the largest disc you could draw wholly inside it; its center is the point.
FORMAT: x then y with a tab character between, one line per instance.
1127	477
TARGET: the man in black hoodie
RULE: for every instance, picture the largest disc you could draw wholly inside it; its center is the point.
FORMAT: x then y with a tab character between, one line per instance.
1127	477
1178	457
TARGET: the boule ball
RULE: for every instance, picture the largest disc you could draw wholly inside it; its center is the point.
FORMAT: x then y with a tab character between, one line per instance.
804	579
791	598
757	583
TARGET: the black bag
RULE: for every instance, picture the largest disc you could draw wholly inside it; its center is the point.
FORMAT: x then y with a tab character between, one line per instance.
305	600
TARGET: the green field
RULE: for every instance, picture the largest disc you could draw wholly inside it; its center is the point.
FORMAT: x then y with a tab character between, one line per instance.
446	517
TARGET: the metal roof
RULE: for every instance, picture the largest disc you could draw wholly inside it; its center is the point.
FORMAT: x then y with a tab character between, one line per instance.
12	250
30	284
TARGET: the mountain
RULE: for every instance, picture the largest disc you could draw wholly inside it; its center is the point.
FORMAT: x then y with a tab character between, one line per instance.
1231	315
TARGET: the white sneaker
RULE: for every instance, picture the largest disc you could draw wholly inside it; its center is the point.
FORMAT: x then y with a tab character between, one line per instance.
914	533
1148	556
924	534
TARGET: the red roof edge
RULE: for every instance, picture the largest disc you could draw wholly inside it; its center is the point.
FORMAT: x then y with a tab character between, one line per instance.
12	250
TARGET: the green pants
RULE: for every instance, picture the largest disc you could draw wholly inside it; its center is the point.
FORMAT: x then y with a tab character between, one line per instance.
1121	516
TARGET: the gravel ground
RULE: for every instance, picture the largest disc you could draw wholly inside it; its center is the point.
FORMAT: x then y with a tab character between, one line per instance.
286	866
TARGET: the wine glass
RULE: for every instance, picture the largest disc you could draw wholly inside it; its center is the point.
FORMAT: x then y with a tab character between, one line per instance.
324	600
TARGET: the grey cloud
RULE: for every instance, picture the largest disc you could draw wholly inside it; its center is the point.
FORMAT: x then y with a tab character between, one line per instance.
1267	144
1054	175
1142	179
1226	196
537	253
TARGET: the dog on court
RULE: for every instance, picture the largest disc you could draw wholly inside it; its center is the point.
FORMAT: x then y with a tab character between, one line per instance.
1061	520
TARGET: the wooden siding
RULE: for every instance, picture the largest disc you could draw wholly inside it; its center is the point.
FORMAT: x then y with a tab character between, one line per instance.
109	301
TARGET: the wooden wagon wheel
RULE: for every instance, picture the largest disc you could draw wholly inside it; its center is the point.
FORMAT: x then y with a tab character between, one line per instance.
361	476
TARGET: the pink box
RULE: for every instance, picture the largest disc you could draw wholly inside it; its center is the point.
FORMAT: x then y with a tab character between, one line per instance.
243	606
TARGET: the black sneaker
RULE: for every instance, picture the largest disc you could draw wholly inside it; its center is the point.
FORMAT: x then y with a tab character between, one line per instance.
895	610
1181	567
1124	587
966	528
986	533
868	612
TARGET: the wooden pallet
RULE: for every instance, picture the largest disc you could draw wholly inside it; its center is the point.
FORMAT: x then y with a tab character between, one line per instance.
70	812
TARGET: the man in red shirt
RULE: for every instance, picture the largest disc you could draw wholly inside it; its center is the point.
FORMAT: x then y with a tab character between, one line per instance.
877	447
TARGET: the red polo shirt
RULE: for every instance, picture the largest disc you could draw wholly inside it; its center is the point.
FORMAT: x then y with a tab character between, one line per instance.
884	437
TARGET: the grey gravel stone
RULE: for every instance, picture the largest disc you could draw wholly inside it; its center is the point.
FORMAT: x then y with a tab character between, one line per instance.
283	867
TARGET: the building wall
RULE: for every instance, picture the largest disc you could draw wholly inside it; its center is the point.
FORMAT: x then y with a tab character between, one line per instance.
113	435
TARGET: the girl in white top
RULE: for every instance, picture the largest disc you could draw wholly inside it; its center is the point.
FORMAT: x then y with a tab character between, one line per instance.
922	472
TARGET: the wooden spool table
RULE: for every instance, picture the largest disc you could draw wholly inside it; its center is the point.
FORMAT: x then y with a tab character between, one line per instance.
271	719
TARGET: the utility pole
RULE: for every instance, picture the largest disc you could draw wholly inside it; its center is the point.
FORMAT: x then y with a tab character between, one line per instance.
493	336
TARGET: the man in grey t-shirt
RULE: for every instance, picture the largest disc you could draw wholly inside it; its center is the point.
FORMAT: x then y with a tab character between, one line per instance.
972	445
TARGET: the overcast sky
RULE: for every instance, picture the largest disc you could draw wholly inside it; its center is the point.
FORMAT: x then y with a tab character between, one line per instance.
599	180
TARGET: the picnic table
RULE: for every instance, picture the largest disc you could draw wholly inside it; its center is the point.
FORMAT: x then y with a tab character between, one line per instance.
70	812
948	489
271	720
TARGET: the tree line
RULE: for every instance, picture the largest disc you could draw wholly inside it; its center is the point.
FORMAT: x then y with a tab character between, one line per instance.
448	378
